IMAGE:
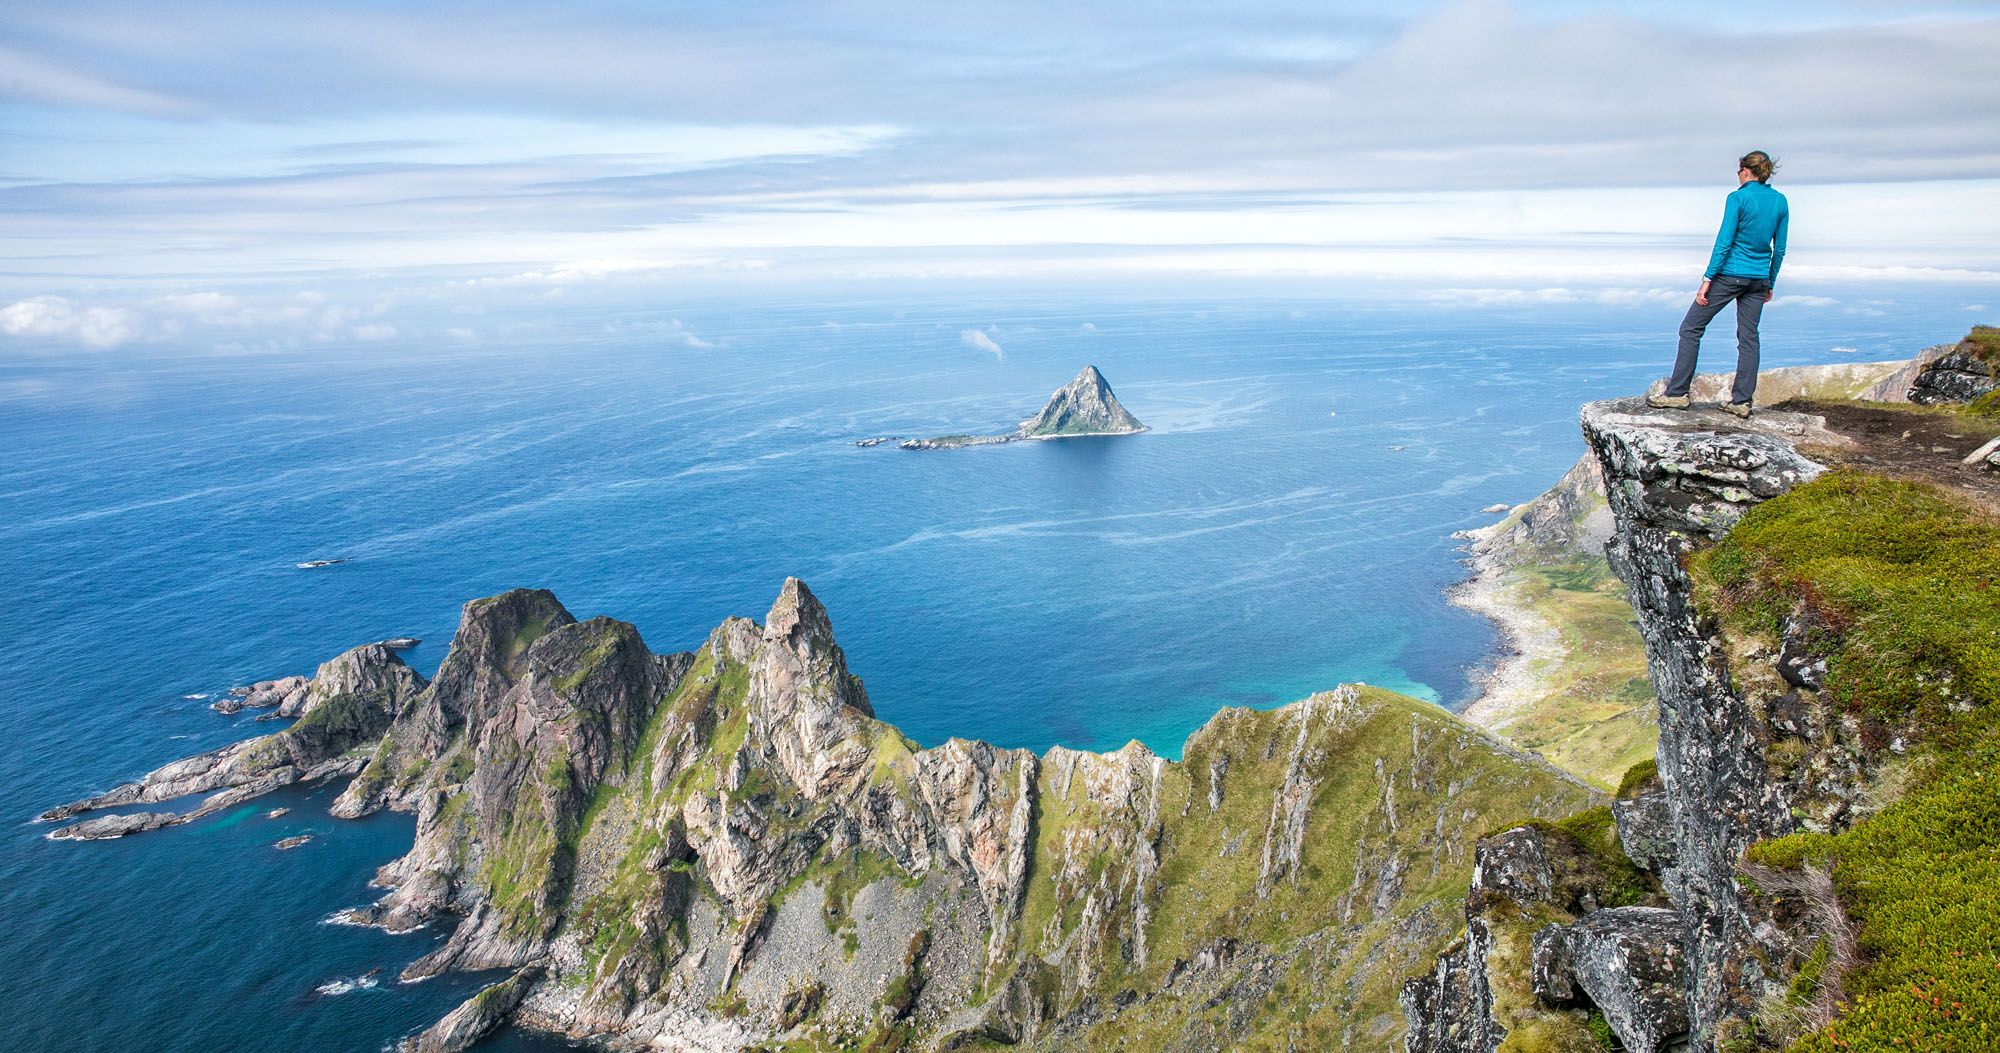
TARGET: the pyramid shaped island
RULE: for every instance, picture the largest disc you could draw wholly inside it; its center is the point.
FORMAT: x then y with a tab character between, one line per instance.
1083	407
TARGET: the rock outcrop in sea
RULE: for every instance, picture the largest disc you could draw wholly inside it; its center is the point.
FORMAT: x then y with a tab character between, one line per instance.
349	703
1083	407
724	848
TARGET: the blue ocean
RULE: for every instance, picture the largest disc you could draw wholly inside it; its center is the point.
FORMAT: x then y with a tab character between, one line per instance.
1285	526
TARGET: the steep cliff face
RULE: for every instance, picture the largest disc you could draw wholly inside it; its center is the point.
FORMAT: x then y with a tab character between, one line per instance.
1675	482
758	859
1571	520
1747	752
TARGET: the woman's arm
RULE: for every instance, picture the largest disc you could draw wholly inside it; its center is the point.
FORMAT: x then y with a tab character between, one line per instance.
1723	240
1778	244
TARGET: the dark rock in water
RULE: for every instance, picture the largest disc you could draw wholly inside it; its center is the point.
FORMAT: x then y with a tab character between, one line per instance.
955	442
1085	406
106	827
1627	962
477	1017
290	843
315	564
876	441
287	695
349	702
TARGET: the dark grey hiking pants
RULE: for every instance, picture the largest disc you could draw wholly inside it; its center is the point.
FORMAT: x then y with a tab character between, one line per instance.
1749	296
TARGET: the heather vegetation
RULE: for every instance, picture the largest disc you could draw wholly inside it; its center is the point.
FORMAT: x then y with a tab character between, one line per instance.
1900	582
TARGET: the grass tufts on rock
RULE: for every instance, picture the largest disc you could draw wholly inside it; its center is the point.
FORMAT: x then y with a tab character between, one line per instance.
1638	778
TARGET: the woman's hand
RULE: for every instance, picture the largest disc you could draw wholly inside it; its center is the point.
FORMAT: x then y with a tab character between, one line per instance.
1701	294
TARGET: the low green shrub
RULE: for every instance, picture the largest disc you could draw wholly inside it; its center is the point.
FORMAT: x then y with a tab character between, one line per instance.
1922	880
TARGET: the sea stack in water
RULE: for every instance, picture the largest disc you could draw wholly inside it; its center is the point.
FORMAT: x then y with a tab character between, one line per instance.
1084	406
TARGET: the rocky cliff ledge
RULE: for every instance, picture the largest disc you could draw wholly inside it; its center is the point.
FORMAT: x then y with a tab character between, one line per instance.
1692	947
724	849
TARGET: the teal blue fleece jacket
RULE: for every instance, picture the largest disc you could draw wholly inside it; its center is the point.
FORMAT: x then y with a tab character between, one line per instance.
1752	241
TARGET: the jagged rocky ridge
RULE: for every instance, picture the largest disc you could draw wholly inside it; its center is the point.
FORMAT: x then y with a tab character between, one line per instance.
1748	751
719	849
1084	406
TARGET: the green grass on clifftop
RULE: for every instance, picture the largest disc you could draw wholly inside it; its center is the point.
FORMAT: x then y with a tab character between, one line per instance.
1922	879
1983	343
1905	578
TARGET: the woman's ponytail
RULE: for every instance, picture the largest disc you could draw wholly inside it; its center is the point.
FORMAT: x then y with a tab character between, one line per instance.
1760	165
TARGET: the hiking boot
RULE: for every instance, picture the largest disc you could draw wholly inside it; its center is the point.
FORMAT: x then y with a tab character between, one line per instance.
1736	409
1667	401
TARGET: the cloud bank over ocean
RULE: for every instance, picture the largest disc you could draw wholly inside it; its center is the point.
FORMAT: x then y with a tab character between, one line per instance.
399	162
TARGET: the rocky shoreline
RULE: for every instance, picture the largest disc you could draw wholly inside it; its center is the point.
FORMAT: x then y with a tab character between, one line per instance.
1505	679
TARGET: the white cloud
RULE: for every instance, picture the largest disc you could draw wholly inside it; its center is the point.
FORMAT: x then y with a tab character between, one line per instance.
1503	297
677	332
214	319
462	334
31	79
979	341
55	318
1810	301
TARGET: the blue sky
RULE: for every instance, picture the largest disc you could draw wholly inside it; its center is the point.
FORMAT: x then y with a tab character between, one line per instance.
271	172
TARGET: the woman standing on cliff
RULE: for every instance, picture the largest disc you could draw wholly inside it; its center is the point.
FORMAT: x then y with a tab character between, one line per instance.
1743	268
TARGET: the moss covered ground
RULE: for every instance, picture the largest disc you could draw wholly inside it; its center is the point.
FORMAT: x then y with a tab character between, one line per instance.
1904	579
1922	880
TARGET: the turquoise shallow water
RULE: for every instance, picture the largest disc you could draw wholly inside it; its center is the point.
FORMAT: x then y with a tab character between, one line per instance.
1267	539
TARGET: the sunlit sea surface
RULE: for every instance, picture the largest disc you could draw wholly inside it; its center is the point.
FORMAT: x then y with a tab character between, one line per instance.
1286	526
